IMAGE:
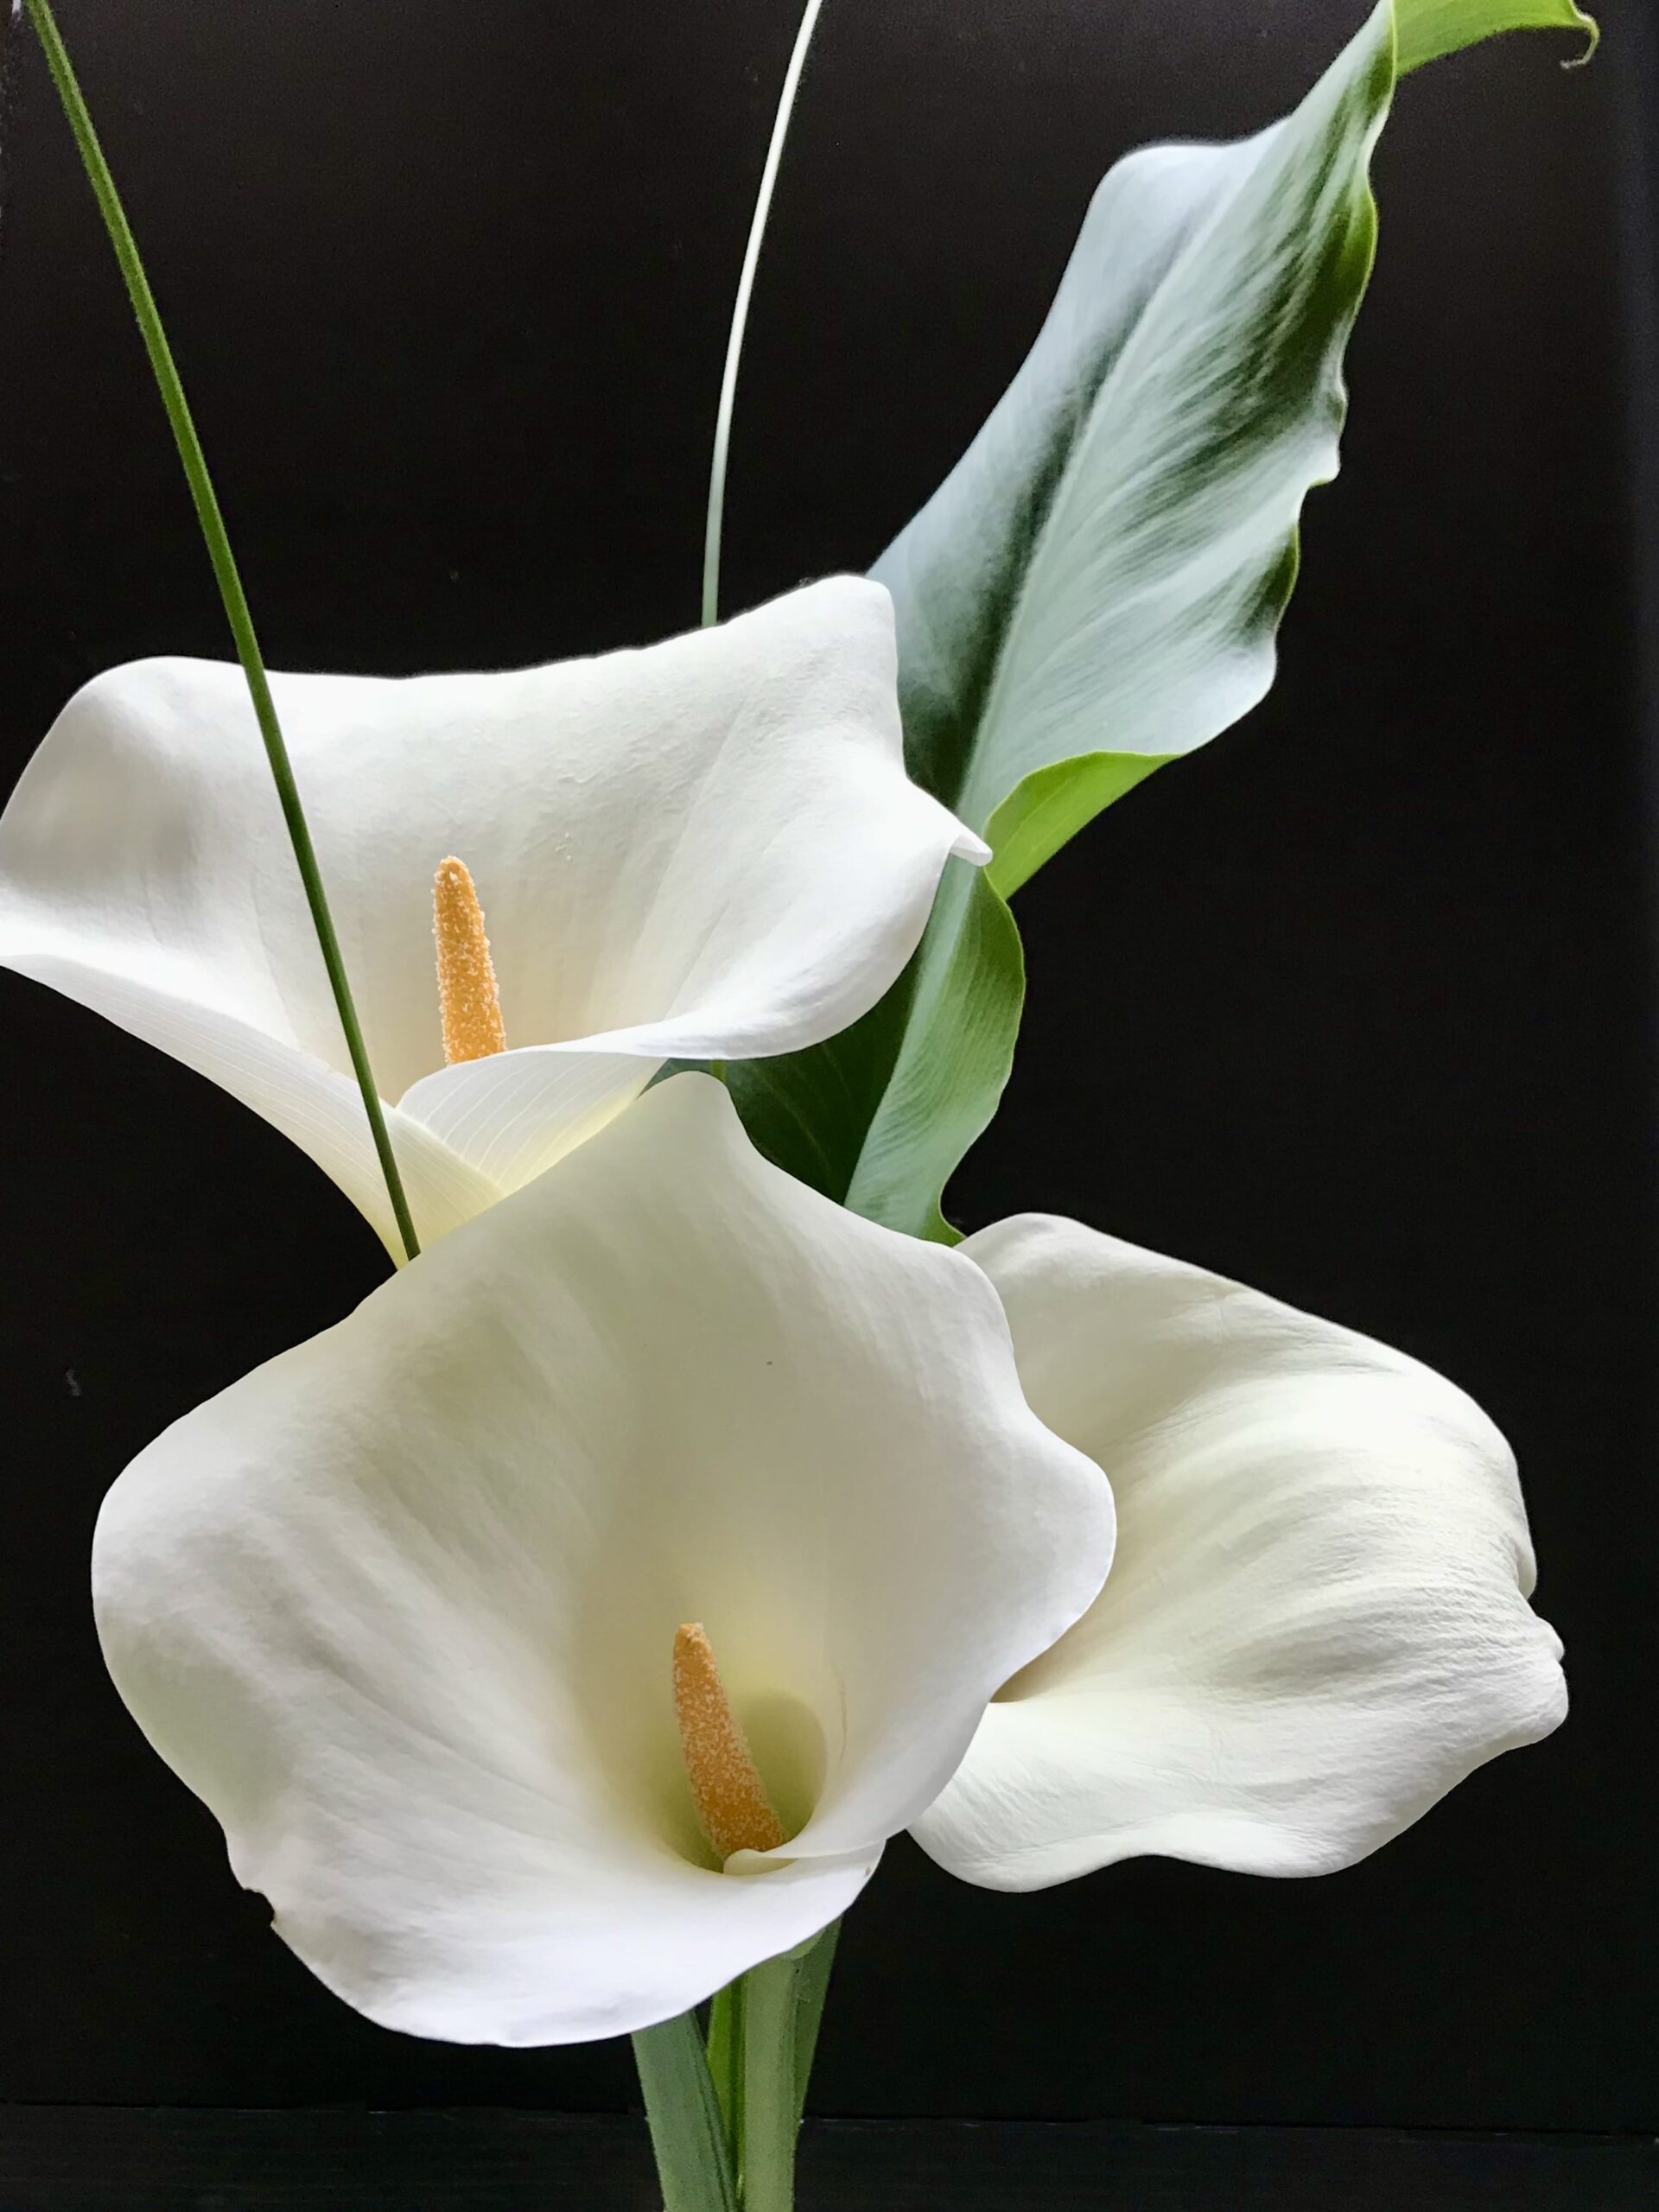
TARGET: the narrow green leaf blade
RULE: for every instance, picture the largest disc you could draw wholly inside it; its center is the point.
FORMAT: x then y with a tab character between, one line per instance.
683	2115
810	1112
952	1063
877	1118
725	2055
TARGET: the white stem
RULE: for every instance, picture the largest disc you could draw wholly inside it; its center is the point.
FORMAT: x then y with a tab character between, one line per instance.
740	313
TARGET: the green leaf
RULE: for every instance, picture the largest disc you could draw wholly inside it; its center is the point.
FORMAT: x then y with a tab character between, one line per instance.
1428	28
1096	588
1052	805
810	1111
725	2056
687	2135
1107	565
952	1061
877	1118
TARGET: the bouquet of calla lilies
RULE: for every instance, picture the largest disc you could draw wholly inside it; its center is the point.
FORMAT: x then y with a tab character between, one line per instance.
561	1636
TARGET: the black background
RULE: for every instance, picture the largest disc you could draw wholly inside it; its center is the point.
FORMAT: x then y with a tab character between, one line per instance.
1357	1004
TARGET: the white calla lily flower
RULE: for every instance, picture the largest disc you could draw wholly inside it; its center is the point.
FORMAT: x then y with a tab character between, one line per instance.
425	1609
1317	1623
703	850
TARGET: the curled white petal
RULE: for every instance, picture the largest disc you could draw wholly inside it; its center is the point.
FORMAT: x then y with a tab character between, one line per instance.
1317	1623
400	1606
706	849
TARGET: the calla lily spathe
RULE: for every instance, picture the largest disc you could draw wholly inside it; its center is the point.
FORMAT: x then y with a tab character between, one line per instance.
706	849
1317	1623
402	1605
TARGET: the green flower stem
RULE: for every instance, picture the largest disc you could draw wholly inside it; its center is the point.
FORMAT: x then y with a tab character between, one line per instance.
781	2004
788	2010
740	313
684	2115
230	586
770	2117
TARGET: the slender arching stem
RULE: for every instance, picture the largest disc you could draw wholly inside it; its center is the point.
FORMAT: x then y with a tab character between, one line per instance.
740	313
218	543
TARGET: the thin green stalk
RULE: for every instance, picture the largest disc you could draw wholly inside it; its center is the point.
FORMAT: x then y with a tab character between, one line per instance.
740	313
771	2116
683	2115
230	587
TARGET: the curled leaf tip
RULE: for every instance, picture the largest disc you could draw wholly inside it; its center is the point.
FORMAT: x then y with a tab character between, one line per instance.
1590	25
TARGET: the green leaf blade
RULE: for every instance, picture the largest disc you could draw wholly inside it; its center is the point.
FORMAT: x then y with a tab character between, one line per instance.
953	1060
1047	808
1095	589
1430	28
877	1118
687	2131
1144	474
